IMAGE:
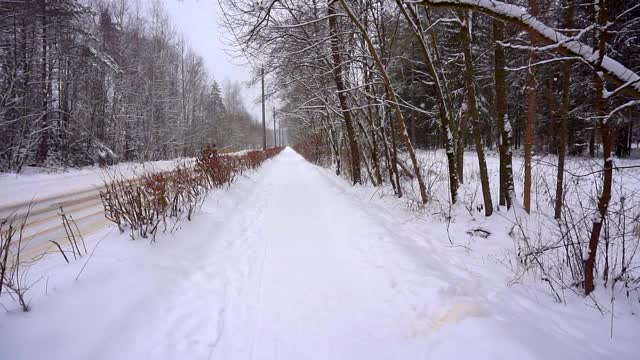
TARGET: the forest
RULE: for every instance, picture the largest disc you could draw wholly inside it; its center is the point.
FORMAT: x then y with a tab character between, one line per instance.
368	83
102	81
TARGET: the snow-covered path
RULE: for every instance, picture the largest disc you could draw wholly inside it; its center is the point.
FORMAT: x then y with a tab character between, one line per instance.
312	289
289	264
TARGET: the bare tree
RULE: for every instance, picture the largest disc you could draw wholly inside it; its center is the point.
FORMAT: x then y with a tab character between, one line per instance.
342	96
465	35
391	97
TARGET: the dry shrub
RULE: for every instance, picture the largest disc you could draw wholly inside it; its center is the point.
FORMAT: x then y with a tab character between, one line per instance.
217	168
166	198
15	260
132	204
73	236
314	149
13	268
555	250
189	190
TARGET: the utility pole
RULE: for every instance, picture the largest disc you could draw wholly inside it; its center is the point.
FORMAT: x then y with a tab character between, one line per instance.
275	138
264	124
280	132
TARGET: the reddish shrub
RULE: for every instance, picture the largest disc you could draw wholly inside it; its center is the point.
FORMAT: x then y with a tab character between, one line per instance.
313	149
144	203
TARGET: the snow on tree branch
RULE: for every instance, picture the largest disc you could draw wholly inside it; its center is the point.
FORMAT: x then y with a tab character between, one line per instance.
520	15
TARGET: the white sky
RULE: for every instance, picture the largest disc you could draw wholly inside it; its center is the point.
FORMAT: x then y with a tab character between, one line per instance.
199	22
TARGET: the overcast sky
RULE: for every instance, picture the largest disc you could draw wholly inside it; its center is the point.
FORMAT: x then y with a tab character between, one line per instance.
199	21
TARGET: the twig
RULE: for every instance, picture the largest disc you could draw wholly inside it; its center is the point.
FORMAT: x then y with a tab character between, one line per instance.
61	251
79	234
92	251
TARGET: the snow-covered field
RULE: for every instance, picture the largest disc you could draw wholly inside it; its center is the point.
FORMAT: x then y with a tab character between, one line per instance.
291	262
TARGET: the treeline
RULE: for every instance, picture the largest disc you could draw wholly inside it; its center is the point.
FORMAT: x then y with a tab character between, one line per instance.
370	80
104	81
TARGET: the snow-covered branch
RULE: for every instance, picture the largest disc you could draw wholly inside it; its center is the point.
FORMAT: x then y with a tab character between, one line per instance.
519	15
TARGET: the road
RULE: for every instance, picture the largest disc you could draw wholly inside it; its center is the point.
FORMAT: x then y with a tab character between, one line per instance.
44	222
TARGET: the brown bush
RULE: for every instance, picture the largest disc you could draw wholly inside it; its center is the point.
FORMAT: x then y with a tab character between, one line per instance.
144	203
313	149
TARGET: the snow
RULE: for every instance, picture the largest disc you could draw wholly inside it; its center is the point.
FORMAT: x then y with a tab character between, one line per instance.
291	262
507	125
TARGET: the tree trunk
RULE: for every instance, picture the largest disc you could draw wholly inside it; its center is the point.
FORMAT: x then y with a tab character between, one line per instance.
333	142
375	158
532	108
363	154
342	97
460	146
445	88
372	125
528	137
387	157
600	106
564	118
474	115
394	158
507	193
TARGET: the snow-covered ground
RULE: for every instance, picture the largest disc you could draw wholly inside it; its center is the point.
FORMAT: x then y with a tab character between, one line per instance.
293	263
584	170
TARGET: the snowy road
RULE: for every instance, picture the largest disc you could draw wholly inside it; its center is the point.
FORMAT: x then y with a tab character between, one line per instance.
290	264
45	224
